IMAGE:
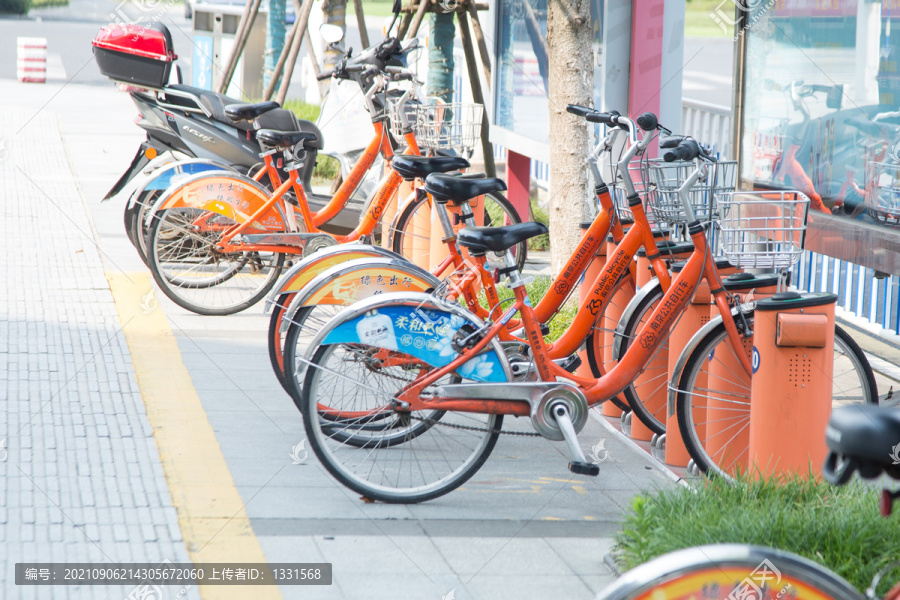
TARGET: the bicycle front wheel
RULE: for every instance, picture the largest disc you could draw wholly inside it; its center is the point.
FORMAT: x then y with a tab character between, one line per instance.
193	273
411	236
713	397
416	457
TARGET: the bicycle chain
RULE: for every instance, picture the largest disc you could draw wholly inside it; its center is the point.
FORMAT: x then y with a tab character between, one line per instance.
473	428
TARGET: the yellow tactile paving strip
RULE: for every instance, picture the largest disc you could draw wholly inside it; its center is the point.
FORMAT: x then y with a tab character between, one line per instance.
211	513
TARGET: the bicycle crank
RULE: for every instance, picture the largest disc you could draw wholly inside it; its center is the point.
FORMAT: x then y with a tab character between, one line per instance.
559	411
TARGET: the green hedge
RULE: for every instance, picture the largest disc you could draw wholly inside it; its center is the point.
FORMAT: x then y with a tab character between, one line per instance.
838	527
16	7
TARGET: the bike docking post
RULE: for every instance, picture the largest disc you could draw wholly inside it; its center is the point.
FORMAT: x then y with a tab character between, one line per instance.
790	398
727	433
590	275
695	316
611	317
657	395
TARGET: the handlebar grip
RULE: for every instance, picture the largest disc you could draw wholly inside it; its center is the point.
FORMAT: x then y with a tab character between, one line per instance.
325	75
580	111
686	150
599	117
671	141
647	121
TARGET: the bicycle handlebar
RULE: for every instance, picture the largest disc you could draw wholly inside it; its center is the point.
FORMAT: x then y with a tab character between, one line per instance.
671	141
325	75
687	149
647	121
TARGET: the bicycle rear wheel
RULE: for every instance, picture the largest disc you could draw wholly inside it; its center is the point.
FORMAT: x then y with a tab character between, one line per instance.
411	236
412	459
187	267
713	397
723	571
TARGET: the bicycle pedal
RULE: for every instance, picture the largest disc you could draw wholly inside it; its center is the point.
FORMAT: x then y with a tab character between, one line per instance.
584	468
570	363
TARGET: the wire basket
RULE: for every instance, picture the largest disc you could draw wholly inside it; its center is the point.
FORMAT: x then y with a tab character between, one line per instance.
398	117
447	125
640	177
668	177
762	230
883	193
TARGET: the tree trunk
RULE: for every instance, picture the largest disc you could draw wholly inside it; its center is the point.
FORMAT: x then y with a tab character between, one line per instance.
334	12
274	38
571	82
440	56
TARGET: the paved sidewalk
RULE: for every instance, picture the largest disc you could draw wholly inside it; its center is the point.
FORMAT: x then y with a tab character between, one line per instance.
80	477
524	527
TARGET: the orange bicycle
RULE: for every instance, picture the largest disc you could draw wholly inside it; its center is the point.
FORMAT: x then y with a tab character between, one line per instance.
403	358
217	242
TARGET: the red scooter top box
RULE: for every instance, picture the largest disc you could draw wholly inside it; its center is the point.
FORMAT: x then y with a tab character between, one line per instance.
135	54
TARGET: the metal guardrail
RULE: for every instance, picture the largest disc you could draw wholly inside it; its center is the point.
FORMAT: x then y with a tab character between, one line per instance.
710	123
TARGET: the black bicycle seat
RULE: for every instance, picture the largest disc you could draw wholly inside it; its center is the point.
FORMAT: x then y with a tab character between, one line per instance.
420	167
447	188
864	438
283	140
497	239
248	112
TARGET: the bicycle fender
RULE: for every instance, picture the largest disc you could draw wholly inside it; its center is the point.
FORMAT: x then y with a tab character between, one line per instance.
165	176
648	289
162	178
321	260
417	324
231	195
352	281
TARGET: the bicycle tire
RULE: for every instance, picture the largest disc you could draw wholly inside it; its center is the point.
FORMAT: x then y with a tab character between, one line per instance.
172	242
596	342
723	451
338	454
276	338
718	565
403	234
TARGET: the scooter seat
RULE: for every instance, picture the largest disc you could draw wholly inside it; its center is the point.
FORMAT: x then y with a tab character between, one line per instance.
278	118
283	140
420	167
444	188
249	112
497	239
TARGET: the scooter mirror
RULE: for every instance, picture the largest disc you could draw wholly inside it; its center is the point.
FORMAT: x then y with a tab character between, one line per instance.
398	6
332	34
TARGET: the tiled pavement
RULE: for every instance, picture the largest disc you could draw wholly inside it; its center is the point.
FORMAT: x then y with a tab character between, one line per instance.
80	477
